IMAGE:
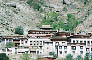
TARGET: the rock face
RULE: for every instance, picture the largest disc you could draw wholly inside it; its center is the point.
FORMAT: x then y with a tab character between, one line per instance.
15	13
66	2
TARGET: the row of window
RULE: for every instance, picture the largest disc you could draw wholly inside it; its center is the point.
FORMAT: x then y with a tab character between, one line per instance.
72	47
41	32
35	42
76	41
81	52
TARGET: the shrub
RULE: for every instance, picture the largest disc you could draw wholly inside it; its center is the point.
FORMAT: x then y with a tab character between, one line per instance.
19	30
72	23
52	19
69	57
9	44
3	56
86	56
36	4
79	57
53	54
90	25
25	57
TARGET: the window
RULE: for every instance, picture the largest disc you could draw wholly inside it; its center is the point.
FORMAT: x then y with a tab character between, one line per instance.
63	42
84	41
25	41
80	41
37	52
77	41
60	52
37	43
40	47
88	42
40	42
91	49
30	42
40	52
34	41
10	40
73	47
87	49
73	52
65	47
60	47
34	44
81	47
73	41
81	52
65	51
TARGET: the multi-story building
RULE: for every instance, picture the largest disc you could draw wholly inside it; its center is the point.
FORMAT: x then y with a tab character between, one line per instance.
44	41
18	47
39	40
69	43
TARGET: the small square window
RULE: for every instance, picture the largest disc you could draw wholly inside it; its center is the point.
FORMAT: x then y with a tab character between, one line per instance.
88	42
81	52
73	47
74	41
65	51
60	52
65	47
73	52
81	47
91	49
84	41
25	41
77	41
60	47
80	41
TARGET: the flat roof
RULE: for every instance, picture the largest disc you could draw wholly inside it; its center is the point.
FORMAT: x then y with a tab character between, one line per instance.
42	31
46	26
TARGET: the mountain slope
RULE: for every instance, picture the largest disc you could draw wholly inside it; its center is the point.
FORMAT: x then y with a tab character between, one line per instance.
15	13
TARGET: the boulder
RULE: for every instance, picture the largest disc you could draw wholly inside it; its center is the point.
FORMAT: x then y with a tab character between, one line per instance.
11	4
66	2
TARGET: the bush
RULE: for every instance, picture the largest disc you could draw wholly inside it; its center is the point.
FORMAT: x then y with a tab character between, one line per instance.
79	57
36	4
25	57
52	19
69	57
19	30
53	53
9	45
86	56
3	56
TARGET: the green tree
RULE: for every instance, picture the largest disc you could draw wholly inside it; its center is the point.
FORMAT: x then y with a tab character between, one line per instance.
79	57
19	30
51	19
53	54
69	57
9	45
86	56
91	56
36	4
72	22
25	57
37	58
3	56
